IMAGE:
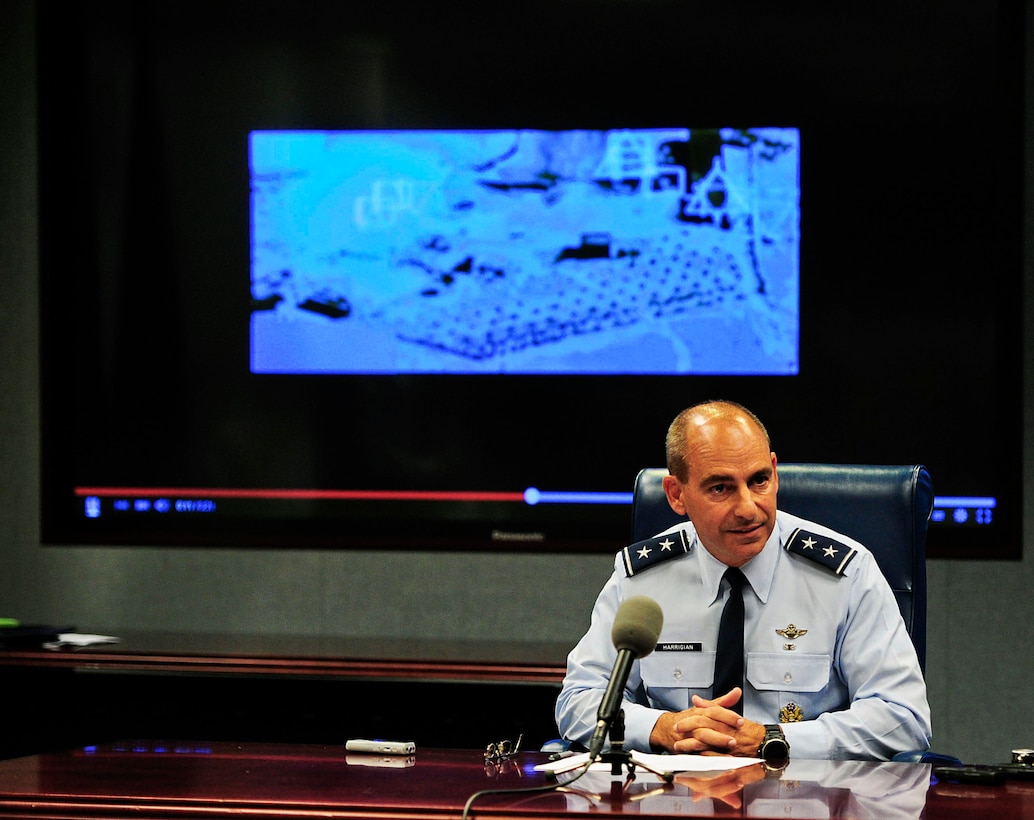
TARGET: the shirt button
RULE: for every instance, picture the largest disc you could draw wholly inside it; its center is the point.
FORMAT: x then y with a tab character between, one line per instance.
677	674
787	677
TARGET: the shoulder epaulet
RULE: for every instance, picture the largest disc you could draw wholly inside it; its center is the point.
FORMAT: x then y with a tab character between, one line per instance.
653	551
833	555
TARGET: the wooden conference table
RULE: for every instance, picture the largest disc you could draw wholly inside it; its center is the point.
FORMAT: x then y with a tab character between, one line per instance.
155	780
300	656
285	689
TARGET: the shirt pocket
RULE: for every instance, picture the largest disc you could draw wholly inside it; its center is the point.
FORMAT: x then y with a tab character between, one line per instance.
683	670
788	672
669	678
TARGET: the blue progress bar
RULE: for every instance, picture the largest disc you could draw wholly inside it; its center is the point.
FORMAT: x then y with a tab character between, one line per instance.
533	496
967	501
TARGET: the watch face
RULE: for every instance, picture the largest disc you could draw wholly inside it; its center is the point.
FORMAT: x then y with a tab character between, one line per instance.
774	747
775	757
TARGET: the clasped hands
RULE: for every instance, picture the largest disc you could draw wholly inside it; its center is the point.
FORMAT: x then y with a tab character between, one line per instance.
708	727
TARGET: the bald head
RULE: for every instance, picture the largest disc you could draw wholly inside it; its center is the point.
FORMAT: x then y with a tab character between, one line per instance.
693	421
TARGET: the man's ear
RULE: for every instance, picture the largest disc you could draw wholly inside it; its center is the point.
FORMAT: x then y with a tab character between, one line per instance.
673	490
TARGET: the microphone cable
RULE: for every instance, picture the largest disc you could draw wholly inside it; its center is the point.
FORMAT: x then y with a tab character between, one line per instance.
534	790
636	628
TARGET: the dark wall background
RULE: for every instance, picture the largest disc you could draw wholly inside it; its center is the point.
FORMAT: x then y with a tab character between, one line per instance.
979	663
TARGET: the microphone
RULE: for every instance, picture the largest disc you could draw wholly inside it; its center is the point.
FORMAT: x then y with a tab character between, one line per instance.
637	626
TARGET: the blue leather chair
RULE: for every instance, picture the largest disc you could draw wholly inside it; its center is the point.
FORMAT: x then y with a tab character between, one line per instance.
886	508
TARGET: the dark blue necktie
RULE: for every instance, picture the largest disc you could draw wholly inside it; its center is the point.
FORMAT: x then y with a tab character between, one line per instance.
728	662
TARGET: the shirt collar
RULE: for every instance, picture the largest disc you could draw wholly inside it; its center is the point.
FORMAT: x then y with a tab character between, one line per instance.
759	570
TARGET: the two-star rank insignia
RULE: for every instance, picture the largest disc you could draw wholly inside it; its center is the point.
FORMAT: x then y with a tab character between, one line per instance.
822	549
645	554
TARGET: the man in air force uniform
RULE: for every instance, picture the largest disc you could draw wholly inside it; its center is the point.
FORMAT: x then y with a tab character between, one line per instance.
827	659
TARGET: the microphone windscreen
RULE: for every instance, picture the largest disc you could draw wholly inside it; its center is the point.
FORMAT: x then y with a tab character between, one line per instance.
637	625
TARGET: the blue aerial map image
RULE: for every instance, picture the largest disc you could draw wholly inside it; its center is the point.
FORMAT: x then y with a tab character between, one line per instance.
661	251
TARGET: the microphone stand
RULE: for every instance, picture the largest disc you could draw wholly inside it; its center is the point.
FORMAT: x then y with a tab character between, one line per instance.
618	756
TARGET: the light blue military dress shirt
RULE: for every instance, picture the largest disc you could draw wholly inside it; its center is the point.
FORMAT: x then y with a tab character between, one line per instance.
827	653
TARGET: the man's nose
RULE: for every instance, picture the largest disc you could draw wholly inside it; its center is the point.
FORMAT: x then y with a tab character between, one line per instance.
745	506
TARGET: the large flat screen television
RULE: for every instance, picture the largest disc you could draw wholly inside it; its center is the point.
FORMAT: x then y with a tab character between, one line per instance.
393	276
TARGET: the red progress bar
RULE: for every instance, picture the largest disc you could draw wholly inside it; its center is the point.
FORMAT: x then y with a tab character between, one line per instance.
347	495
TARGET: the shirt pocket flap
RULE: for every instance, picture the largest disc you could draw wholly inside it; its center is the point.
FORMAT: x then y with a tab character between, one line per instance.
788	671
692	670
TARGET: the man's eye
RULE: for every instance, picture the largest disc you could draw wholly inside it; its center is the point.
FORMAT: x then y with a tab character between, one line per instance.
718	489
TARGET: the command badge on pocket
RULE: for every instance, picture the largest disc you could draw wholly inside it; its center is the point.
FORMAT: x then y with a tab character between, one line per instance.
791	713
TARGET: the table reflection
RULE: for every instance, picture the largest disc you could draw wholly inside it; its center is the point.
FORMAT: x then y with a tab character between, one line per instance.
804	789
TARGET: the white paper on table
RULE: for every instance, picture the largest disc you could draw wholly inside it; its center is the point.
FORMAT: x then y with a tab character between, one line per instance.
661	763
74	640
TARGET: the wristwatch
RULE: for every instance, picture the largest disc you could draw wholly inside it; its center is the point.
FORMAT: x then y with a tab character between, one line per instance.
774	750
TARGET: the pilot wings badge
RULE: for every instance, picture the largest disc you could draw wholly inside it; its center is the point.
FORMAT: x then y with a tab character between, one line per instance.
791	633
